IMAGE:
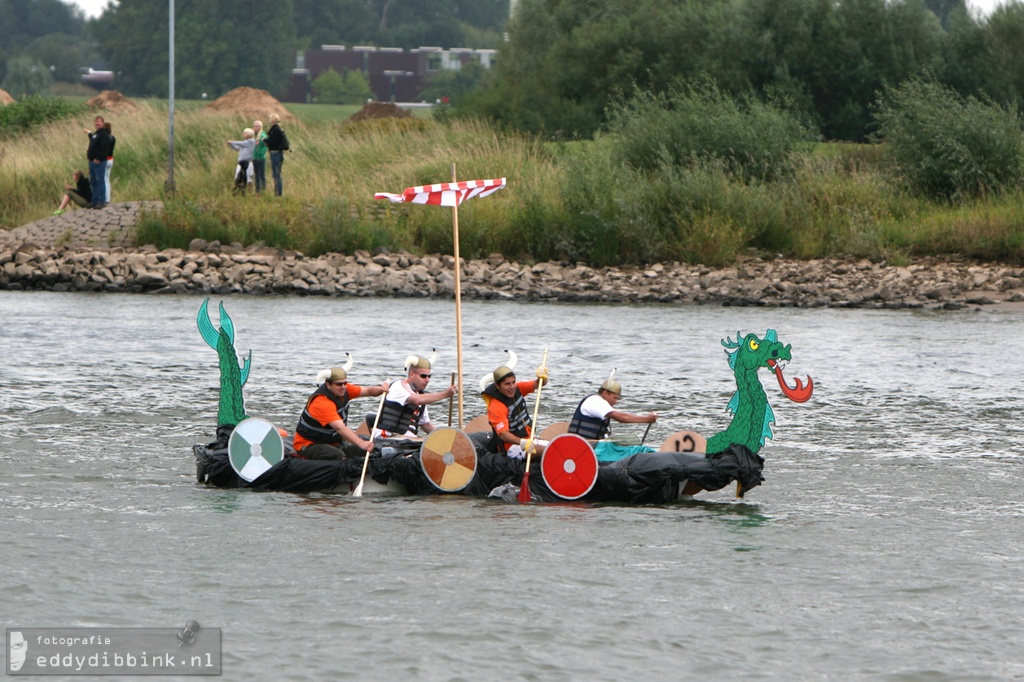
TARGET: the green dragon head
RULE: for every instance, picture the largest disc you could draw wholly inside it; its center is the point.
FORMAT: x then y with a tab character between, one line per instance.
753	417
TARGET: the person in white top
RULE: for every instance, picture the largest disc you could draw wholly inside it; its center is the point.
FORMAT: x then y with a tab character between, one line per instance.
404	412
593	416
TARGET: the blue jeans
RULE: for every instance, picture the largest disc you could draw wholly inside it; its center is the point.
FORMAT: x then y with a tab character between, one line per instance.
259	171
276	161
98	181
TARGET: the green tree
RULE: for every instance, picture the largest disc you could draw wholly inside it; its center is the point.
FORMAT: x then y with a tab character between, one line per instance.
454	84
949	146
348	87
66	54
218	45
25	76
332	22
1004	33
328	86
25	20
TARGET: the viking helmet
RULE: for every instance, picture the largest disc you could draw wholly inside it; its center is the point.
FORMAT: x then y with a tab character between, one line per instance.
611	385
497	375
420	362
335	374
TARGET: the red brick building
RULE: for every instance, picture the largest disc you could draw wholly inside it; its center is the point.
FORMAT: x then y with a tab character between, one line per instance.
394	74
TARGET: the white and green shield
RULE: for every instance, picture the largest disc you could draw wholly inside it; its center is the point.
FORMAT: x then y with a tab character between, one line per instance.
254	446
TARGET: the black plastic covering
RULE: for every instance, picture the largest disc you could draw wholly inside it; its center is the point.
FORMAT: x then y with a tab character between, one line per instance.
646	478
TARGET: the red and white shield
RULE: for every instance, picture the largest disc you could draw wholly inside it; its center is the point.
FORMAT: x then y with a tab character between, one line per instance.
569	466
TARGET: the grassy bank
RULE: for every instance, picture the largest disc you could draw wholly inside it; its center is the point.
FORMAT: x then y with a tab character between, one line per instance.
573	201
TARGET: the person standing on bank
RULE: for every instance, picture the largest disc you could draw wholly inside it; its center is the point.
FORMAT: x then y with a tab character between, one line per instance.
245	148
322	432
593	416
110	161
259	157
277	143
99	150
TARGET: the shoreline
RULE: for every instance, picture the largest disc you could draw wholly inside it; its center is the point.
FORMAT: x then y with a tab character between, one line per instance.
216	269
93	250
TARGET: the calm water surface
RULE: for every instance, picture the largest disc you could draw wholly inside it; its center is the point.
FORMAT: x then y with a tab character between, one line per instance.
885	544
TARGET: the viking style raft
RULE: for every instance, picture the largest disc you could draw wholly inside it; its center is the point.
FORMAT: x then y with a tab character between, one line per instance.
251	453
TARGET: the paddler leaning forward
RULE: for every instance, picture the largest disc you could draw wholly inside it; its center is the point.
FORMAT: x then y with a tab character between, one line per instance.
323	432
507	412
405	408
593	416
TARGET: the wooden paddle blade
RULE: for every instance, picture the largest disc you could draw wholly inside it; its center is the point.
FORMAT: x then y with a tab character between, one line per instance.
524	489
358	492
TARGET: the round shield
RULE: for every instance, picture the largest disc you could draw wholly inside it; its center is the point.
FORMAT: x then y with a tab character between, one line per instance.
448	459
254	446
569	466
684	441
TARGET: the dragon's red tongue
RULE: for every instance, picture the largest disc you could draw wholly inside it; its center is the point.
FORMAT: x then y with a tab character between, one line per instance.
801	393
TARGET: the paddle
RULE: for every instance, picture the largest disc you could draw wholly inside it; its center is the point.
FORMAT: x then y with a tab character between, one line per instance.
358	492
524	487
646	431
450	403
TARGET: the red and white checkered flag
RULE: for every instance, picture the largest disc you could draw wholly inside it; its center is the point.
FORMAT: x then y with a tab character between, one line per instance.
444	194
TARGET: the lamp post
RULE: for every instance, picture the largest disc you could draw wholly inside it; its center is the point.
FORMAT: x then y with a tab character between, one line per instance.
169	185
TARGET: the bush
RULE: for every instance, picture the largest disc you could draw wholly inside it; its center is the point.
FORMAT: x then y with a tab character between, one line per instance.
348	87
697	123
950	147
34	111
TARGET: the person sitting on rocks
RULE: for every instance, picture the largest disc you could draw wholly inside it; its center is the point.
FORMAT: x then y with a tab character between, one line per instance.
80	193
507	412
322	432
405	408
593	416
245	148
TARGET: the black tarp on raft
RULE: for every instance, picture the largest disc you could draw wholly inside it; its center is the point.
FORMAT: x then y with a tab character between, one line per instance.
646	478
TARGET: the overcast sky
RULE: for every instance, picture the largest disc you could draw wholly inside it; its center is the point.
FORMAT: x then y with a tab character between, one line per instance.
93	8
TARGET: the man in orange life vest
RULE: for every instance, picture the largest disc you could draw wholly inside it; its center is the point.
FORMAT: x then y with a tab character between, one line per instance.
507	412
322	432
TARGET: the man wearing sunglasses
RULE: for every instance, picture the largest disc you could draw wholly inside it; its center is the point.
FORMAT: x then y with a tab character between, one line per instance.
322	432
405	407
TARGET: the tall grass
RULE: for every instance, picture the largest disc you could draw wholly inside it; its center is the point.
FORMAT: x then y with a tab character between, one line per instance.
575	201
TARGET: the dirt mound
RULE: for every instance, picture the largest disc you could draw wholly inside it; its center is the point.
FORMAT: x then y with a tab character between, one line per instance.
251	103
374	110
112	100
5	98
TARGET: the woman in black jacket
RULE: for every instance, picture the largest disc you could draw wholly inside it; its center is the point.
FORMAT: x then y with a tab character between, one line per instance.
277	143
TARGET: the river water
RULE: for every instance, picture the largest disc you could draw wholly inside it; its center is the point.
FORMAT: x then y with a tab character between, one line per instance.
885	544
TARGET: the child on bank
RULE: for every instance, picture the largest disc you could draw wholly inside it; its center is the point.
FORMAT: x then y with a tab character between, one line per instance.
245	148
80	193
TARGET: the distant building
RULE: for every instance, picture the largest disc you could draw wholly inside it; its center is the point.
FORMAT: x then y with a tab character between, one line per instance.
394	74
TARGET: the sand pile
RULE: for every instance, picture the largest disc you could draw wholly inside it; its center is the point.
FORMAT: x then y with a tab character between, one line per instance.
374	110
112	100
250	103
5	98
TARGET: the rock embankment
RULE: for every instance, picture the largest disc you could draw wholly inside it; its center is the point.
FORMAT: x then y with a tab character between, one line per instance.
217	269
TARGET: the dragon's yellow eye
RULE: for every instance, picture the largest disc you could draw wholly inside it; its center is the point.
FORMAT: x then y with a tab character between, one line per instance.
753	344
